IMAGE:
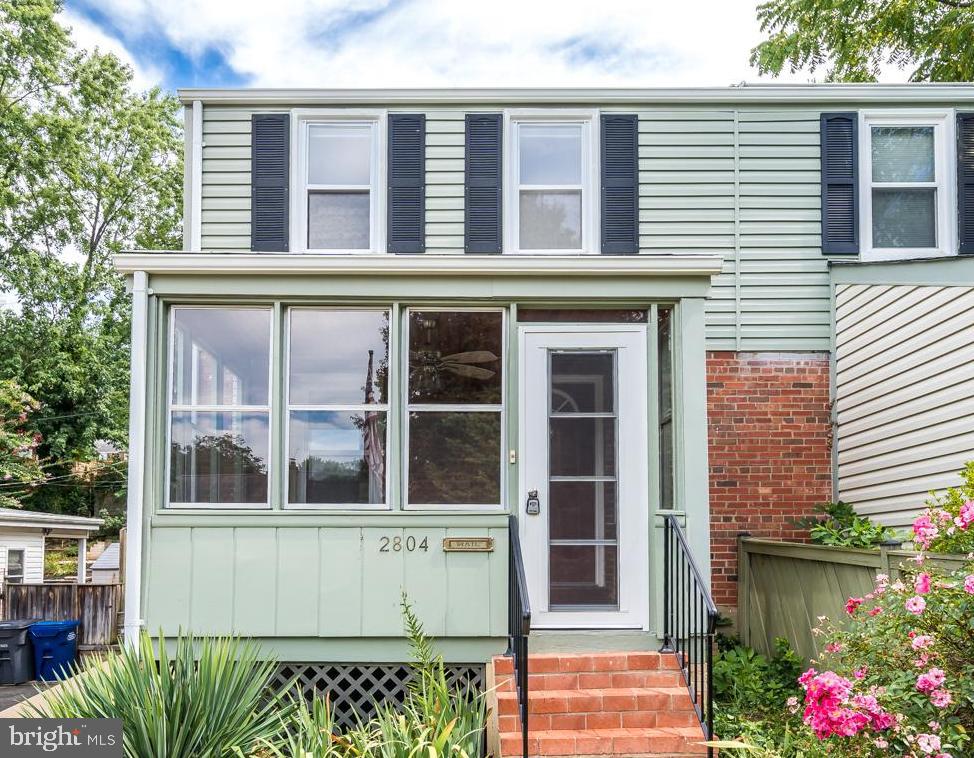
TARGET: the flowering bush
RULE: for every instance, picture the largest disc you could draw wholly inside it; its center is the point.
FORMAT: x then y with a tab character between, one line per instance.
945	526
898	677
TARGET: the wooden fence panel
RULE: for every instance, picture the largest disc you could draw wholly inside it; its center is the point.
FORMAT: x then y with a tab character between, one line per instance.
94	605
785	587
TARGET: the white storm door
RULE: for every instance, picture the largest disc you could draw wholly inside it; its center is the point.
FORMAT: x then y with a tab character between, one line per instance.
583	485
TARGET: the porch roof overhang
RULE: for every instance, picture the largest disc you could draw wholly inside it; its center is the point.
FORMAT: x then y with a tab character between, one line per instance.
54	524
524	277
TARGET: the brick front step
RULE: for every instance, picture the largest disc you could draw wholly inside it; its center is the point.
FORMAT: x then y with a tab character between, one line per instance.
622	742
595	704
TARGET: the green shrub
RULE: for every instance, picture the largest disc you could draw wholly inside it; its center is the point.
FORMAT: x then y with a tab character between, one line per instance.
210	699
841	526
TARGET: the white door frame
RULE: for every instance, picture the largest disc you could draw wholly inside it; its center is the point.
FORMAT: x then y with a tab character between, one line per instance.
630	342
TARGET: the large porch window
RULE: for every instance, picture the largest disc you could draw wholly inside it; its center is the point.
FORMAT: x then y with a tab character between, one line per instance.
219	410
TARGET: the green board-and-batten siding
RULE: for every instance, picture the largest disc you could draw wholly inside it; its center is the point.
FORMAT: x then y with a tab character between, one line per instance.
740	182
272	582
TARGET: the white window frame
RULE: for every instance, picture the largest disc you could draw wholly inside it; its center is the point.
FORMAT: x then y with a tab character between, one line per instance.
945	170
339	408
588	119
172	407
406	407
301	120
21	578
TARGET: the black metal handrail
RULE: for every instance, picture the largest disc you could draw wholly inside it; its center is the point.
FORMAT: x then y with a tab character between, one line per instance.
689	622
518	627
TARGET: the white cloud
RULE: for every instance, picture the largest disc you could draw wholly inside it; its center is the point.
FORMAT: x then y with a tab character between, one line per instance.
389	43
87	35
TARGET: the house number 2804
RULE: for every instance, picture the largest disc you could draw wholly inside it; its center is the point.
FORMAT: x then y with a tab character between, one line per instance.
398	544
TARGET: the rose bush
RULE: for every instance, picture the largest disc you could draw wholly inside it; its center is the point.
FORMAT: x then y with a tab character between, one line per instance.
897	678
945	526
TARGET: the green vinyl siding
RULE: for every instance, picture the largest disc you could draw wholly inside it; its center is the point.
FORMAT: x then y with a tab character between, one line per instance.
740	182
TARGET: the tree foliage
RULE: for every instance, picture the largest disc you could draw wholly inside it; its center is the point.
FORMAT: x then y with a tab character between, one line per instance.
92	168
852	40
18	446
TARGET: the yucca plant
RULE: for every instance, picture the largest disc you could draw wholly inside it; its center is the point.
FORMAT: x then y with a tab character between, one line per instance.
211	698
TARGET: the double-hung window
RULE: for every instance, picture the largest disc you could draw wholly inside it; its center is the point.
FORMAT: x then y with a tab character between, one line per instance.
338	369
337	205
15	567
551	206
219	406
907	199
454	413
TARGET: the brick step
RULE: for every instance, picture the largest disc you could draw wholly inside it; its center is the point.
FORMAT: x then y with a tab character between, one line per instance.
609	700
656	741
554	663
592	680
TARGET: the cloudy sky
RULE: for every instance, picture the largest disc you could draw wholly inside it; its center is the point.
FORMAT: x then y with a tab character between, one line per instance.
389	43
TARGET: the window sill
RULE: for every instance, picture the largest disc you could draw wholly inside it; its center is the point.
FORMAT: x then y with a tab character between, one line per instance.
903	254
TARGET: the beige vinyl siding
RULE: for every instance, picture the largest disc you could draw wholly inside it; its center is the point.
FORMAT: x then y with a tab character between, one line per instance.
226	179
904	388
743	183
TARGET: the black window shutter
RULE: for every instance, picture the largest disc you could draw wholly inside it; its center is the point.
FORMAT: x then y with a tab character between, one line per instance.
406	230
482	212
965	182
840	183
620	183
270	157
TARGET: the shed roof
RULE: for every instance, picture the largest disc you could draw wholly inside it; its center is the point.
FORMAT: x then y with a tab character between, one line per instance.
14	517
108	560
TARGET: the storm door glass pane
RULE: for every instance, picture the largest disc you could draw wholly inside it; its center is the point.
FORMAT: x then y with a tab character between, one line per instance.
337	457
582	483
218	457
905	218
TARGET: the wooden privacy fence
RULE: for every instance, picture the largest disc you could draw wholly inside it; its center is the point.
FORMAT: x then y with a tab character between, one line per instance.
94	605
784	587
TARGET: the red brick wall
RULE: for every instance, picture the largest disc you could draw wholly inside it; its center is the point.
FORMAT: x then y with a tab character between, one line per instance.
770	450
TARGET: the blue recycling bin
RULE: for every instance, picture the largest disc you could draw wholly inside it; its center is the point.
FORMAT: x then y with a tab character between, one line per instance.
55	648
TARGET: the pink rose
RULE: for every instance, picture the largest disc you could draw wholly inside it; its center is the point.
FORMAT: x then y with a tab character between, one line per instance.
930	681
922	583
875	611
969	584
966	516
922	642
928	743
940	698
852	603
924	530
915	605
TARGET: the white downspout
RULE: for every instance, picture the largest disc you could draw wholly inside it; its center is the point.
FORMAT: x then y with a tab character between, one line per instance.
196	177
136	474
82	556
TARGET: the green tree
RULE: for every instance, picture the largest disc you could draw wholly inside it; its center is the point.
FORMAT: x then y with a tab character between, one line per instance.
19	466
851	40
93	168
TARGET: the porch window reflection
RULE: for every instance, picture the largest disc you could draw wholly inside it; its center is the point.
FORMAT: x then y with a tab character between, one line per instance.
338	364
455	401
219	406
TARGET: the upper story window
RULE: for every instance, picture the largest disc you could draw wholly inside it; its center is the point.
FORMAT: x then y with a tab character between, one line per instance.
551	199
337	204
907	198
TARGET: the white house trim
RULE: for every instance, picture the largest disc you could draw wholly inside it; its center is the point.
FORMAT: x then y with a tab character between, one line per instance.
196	179
137	399
420	265
770	94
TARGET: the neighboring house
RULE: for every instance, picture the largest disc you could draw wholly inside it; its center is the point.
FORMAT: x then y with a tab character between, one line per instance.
105	568
22	536
403	316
